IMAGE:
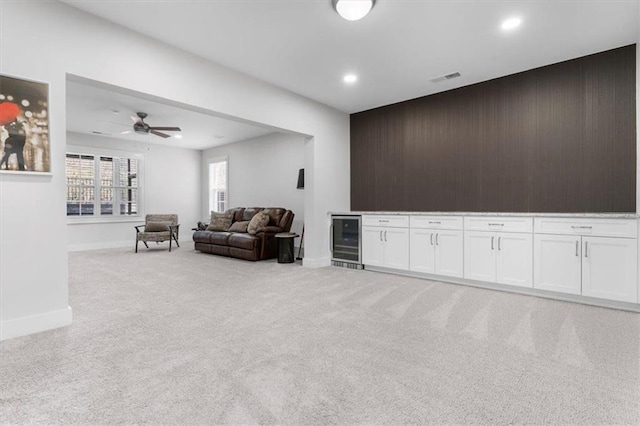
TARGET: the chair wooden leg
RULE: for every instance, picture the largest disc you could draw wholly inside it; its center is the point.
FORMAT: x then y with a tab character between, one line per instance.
136	245
145	244
169	244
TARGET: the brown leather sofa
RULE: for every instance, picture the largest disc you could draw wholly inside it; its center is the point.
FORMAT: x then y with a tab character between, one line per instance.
241	245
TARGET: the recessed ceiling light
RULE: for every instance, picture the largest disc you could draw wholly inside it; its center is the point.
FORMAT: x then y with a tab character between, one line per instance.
218	136
353	10
350	78
511	23
177	136
115	111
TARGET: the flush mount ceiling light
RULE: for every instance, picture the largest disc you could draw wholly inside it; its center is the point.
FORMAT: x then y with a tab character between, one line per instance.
350	78
353	10
511	23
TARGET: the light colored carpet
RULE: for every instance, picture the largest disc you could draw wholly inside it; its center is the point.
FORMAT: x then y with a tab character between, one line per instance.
185	337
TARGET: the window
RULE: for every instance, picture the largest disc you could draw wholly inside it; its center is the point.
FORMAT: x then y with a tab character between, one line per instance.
99	185
218	189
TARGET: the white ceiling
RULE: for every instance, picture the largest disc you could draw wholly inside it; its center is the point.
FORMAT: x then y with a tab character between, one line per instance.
90	110
305	47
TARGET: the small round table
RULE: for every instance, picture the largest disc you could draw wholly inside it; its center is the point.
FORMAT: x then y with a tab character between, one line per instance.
285	247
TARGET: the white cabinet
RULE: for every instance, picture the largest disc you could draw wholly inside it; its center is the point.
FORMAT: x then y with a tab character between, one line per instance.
396	248
385	246
479	256
609	268
372	246
600	267
557	263
502	257
436	251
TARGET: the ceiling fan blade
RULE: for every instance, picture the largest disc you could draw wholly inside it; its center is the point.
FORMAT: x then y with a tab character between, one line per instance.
162	135
171	129
136	119
126	132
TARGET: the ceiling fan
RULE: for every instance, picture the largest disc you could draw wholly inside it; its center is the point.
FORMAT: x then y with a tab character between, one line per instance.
139	126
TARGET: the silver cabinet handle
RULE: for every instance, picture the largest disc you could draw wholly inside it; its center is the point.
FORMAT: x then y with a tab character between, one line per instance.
331	238
435	223
383	221
380	235
492	242
581	227
496	224
437	240
385	235
432	238
577	245
499	239
586	249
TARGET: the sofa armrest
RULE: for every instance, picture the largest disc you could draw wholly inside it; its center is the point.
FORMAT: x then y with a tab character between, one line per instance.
269	230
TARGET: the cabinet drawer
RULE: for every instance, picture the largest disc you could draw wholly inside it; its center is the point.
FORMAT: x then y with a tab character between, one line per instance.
436	222
389	221
498	223
597	227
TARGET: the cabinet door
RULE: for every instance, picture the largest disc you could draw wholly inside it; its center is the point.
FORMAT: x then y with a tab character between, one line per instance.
609	268
557	263
422	250
372	246
449	253
514	259
479	256
396	248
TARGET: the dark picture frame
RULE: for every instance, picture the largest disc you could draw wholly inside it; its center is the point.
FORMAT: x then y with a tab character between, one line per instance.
25	146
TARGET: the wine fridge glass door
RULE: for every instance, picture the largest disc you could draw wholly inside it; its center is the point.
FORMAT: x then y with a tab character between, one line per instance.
346	238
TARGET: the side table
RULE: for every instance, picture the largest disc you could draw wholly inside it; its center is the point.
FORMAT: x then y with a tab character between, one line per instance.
285	247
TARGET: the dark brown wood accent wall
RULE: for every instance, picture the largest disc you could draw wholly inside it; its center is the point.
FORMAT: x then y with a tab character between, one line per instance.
560	138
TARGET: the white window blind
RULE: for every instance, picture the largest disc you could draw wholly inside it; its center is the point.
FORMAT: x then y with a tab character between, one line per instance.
99	185
218	188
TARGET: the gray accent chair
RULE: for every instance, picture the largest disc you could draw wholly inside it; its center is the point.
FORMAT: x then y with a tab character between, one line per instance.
158	228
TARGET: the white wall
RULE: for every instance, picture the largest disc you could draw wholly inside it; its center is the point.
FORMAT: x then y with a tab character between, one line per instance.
61	40
263	172
170	184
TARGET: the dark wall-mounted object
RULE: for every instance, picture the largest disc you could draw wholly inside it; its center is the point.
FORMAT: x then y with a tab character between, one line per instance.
300	179
561	138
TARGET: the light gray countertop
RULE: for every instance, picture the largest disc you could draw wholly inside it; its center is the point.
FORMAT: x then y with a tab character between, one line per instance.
567	215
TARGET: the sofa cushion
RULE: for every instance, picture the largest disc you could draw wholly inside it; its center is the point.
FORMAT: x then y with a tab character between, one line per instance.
157	227
239	226
237	213
260	220
243	241
275	215
250	212
220	222
220	238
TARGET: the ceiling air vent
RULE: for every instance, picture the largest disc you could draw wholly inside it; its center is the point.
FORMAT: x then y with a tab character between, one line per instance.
445	77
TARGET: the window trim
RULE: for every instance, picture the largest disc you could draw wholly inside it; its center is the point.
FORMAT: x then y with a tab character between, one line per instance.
101	152
211	161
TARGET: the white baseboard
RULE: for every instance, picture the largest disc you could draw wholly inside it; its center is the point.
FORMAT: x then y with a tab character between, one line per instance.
35	323
316	263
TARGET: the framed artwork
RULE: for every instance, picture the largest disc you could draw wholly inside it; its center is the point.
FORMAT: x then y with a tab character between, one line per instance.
24	126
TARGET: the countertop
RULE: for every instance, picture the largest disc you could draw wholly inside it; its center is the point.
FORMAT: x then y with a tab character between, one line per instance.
567	215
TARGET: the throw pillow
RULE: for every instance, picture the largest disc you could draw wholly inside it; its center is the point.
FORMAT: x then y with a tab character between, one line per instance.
157	227
258	221
220	221
239	226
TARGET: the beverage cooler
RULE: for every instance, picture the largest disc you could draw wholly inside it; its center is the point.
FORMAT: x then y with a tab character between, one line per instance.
346	241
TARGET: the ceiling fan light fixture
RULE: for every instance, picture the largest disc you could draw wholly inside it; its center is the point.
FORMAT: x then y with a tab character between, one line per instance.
353	10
